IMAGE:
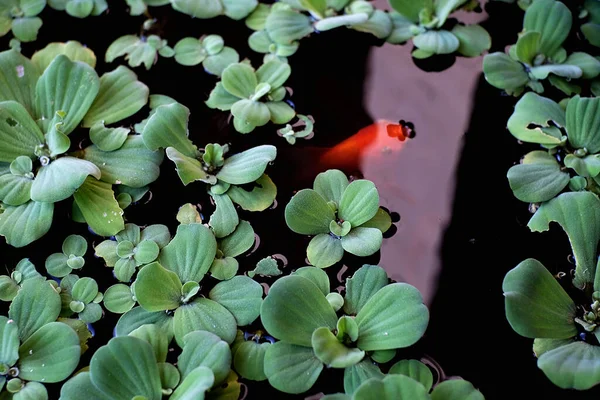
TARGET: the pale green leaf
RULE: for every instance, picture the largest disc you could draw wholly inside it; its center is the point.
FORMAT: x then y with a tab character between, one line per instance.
308	213
290	368
101	211
202	348
19	134
36	304
157	288
168	127
534	120
207	315
61	178
324	250
26	223
241	296
331	352
538	178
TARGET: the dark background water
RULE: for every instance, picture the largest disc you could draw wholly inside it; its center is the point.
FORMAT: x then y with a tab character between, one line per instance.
487	235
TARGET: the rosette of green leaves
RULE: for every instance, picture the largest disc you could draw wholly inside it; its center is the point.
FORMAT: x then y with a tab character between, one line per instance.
80	8
204	9
539	55
253	97
575	131
224	266
167	128
35	348
209	50
80	296
10	284
173	284
423	21
343	216
132	248
377	318
139	359
62	264
38	114
301	129
538	307
591	29
139	50
20	16
410	379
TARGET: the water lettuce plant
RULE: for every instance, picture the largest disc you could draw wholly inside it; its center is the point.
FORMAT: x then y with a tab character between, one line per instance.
80	296
343	216
62	264
538	307
572	137
377	318
209	50
10	284
80	8
20	17
139	50
36	167
423	21
539	54
591	28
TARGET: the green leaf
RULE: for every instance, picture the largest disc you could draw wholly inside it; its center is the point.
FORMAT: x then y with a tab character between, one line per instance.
316	276
290	368
8	288
91	313
308	213
241	296
331	184
249	359
124	269
567	71
225	218
75	245
72	49
572	366
552	19
221	99
259	198
274	72
538	178
391	387
189	51
239	80
536	304
125	368
382	221
365	282
120	96
15	190
168	127
359	202
108	139
265	267
443	8
157	288
415	370
202	348
588	166
247	166
61	178
280	112
19	134
437	42
79	8
239	241
69	87
81	385
217	63
324	250
236	9
355	375
137	317
591	31
118	299
224	268
190	253
578	213
331	352
294	308
26	29
50	354
583	123
535	119
132	164
198	8
411	8
503	72
194	387
146	252
189	169
9	341
36	304
169	375
101	211
26	223
588	64
20	76
85	290
456	389
362	242
156	338
32	391
528	47
286	26
207	315
394	317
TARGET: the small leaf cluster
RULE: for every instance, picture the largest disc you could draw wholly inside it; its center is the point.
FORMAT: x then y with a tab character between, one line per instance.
209	50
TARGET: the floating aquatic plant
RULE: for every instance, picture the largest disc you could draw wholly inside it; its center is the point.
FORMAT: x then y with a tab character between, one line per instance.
10	284
139	50
62	264
538	54
343	216
80	8
36	167
20	17
209	50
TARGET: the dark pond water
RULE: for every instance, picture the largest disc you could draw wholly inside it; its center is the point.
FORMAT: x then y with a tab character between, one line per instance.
460	229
